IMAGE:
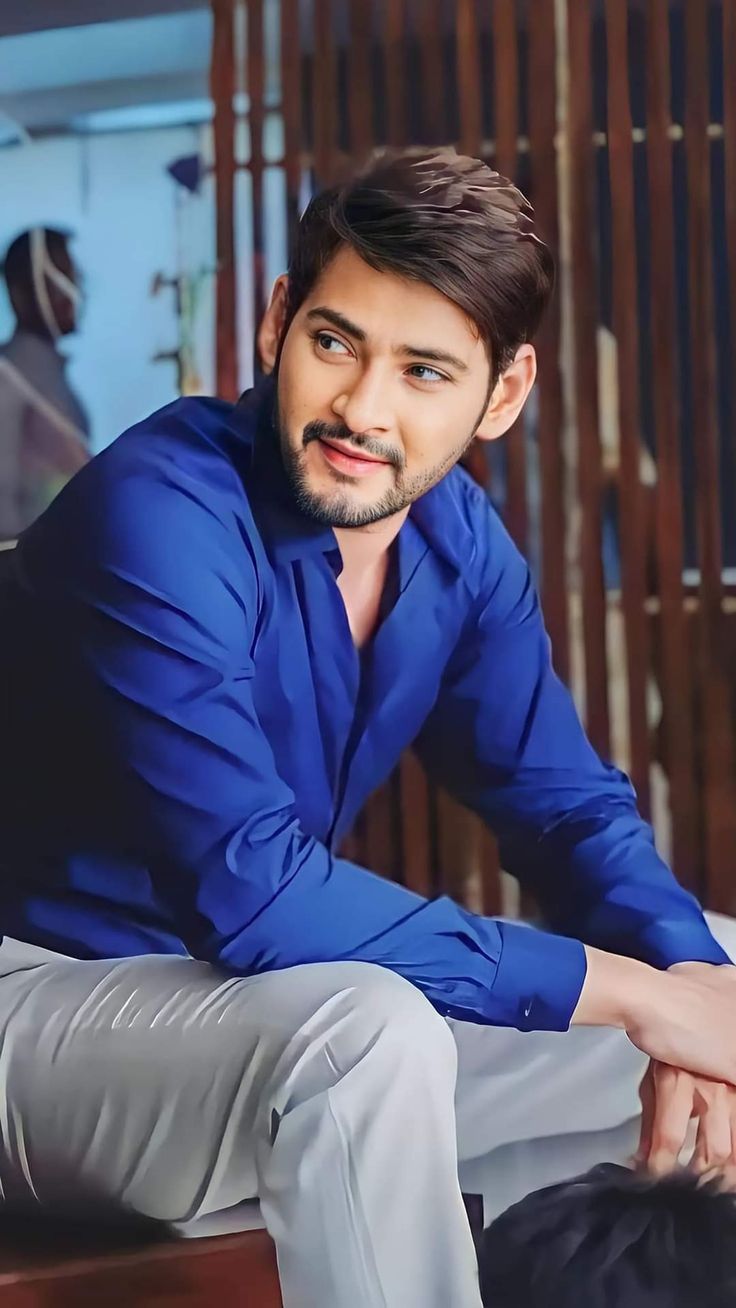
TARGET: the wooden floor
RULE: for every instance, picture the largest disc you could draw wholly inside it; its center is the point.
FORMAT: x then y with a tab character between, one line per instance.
66	1266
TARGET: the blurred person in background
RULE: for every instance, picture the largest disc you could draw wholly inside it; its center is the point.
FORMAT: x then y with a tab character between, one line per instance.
44	429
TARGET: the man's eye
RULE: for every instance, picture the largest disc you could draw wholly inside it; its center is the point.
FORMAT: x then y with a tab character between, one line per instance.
330	344
423	372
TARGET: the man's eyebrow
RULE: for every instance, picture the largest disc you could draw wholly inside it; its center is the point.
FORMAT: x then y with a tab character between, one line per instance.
338	320
434	356
429	353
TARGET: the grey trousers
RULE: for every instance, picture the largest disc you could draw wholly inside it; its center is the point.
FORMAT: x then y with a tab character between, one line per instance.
332	1092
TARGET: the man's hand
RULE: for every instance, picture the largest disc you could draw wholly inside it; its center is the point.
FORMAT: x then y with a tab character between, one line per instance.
685	1017
670	1098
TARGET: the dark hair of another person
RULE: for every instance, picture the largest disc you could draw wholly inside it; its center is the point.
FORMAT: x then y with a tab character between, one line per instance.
17	262
445	220
614	1239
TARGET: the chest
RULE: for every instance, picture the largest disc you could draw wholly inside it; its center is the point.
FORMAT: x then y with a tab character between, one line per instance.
342	687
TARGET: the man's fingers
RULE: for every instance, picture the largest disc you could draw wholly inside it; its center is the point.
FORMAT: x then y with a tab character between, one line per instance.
673	1106
714	1143
646	1095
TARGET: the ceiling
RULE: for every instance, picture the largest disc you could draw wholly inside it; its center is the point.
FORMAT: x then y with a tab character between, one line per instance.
102	64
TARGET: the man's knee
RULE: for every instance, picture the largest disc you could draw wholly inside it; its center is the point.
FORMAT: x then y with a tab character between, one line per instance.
374	1017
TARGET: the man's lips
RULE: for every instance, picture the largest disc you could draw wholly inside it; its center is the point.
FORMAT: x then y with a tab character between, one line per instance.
342	449
351	465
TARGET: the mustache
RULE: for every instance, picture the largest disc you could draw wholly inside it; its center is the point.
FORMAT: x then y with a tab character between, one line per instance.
319	431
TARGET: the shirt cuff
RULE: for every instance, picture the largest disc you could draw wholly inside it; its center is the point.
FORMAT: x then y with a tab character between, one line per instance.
539	978
665	943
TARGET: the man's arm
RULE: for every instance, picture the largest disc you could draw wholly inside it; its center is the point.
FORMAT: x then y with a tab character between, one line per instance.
154	597
505	738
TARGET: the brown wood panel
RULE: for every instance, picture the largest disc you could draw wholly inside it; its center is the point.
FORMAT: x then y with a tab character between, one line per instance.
583	225
255	85
729	128
324	94
291	83
87	1270
468	79
360	88
429	23
542	109
626	331
506	116
394	53
222	89
675	675
715	723
416	850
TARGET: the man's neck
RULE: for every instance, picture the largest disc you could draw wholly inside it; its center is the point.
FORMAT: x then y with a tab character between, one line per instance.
365	550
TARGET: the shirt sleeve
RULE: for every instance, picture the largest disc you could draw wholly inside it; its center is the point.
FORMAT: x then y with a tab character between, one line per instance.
505	739
161	616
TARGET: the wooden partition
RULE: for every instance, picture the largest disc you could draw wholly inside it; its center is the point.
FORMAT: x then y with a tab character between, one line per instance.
618	119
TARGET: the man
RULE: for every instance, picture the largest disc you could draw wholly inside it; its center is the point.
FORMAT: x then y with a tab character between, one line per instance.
220	639
43	427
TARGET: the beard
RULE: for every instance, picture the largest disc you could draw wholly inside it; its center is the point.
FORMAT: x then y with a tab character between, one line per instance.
339	508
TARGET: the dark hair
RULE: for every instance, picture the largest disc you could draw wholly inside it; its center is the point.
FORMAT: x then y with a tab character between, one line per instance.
17	261
443	219
614	1237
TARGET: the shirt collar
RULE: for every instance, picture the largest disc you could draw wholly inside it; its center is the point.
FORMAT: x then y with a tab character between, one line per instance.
440	515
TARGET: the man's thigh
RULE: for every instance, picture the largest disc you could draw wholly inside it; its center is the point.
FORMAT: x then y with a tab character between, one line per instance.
145	1084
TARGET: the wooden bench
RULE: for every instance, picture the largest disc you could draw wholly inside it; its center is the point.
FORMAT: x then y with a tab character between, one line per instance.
60	1265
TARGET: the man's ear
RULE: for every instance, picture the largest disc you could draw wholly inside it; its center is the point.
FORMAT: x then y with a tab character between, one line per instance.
271	330
509	395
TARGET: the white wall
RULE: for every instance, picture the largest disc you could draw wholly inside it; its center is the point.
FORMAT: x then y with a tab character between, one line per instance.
114	192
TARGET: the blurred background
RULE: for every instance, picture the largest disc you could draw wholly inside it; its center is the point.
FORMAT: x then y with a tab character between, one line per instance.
156	154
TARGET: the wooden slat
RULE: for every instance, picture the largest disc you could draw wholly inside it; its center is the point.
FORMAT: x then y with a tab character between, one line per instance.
433	82
675	677
626	331
222	86
729	127
506	115
360	89
291	110
542	125
396	78
583	224
416	851
255	88
468	78
324	90
716	722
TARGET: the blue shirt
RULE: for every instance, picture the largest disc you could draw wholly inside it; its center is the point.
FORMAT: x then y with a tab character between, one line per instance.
192	732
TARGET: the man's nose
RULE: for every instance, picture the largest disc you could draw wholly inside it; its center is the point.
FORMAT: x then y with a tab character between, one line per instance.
364	407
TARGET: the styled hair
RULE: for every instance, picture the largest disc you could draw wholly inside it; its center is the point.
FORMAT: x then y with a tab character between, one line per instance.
614	1237
445	220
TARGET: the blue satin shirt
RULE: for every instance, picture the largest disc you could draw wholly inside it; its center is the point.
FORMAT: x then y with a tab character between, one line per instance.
190	731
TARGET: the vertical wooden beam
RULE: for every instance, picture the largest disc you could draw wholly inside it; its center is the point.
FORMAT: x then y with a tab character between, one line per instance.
729	129
715	693
506	115
583	225
222	86
433	81
396	75
360	88
468	77
626	331
291	65
324	90
256	115
676	683
542	128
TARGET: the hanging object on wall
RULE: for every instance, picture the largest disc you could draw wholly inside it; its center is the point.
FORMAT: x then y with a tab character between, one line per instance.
188	285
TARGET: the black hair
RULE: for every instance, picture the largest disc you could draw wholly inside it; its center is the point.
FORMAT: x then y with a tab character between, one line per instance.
614	1238
17	261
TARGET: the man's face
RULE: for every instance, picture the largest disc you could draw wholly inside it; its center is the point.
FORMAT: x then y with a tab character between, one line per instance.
381	385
